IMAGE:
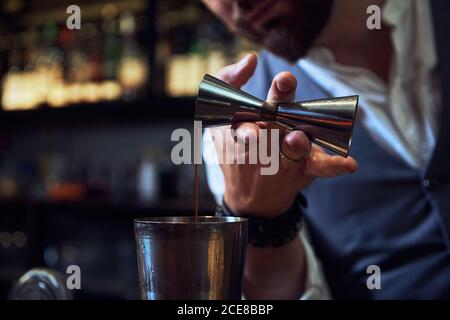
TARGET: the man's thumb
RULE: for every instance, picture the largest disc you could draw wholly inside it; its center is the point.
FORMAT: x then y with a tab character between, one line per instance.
239	73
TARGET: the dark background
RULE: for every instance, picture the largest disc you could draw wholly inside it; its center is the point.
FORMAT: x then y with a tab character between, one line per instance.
75	169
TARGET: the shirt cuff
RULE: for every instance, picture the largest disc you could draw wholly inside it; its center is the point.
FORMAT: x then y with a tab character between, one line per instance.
316	287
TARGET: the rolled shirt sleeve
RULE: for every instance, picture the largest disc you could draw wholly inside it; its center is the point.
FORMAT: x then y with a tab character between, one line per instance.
316	287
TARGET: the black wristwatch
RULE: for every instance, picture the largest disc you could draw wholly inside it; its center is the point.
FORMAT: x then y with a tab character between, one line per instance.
272	232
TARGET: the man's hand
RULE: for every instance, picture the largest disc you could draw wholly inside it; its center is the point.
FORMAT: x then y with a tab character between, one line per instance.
274	273
249	192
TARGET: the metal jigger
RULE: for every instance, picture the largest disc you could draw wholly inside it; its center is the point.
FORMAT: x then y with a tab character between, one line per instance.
327	122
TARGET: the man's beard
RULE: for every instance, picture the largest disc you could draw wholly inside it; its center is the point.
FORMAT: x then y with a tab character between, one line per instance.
292	37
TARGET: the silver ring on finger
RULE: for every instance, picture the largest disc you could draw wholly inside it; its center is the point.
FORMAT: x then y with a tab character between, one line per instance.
284	156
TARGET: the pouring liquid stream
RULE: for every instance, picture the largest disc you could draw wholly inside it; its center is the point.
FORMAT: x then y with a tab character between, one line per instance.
196	151
196	192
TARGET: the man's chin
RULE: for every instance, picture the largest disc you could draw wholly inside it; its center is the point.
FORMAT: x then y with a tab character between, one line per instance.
292	37
289	55
282	46
287	47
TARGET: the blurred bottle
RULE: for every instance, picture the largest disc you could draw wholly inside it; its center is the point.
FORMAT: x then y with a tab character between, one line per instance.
147	178
99	182
8	182
133	70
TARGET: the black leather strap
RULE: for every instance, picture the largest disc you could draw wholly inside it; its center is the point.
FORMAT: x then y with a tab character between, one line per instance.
272	232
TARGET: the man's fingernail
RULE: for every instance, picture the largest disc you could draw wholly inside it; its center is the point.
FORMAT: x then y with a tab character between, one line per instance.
285	82
296	139
290	139
244	61
283	86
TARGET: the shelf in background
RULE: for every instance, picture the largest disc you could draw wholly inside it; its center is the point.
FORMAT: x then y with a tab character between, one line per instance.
154	108
110	208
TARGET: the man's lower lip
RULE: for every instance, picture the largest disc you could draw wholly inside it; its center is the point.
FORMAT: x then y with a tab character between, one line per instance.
257	14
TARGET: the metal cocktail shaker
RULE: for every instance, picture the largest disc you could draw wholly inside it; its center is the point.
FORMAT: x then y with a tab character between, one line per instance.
185	258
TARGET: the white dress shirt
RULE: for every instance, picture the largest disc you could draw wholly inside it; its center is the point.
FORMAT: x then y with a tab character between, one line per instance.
402	115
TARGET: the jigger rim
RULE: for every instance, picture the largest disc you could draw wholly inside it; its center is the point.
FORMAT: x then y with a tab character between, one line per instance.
189	220
355	113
